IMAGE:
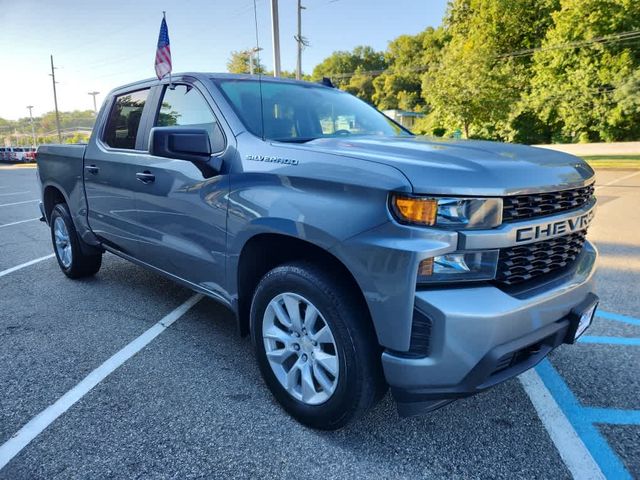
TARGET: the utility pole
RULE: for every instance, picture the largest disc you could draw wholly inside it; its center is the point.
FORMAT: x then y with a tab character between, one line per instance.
275	33
302	42
33	130
55	99
95	108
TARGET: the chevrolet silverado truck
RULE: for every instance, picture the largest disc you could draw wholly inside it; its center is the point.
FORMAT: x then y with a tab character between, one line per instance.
357	256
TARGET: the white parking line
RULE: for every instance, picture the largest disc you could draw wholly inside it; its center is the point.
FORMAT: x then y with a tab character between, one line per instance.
18	203
37	424
14	193
617	180
573	451
19	222
26	264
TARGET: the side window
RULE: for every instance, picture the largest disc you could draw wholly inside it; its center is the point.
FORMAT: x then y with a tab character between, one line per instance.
124	120
184	106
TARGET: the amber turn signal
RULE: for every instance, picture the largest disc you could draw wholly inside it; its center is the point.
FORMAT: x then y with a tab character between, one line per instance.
425	269
415	210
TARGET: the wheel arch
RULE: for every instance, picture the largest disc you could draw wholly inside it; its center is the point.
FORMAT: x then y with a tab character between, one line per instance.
51	196
265	251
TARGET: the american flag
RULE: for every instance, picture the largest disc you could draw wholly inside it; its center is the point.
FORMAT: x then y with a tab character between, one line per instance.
163	53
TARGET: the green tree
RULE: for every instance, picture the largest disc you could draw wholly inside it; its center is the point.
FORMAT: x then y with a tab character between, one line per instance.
408	57
576	88
466	90
577	78
352	71
239	63
77	137
478	83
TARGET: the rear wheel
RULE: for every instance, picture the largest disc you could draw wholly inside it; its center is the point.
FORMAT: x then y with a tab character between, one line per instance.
67	247
315	346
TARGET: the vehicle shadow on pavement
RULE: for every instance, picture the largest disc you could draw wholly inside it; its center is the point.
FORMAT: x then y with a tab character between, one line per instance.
485	427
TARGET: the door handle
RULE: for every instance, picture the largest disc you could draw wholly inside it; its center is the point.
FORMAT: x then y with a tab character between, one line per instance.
91	169
146	177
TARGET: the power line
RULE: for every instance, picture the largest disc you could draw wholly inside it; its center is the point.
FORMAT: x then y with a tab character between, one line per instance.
620	37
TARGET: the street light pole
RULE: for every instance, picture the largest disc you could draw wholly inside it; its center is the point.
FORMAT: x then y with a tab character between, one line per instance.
95	108
55	99
275	33
33	130
251	53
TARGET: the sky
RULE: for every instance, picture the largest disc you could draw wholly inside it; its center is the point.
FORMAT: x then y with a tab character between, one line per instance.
98	45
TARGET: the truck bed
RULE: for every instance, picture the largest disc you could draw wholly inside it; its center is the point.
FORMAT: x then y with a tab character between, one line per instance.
61	166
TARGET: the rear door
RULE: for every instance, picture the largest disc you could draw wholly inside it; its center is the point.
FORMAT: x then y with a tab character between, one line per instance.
110	166
182	211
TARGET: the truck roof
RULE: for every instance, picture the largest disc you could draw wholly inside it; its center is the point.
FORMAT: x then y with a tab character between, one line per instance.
215	75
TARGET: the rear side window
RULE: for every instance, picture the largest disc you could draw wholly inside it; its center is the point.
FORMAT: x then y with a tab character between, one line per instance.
124	120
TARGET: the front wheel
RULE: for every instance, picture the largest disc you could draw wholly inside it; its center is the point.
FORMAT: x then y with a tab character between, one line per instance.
315	346
66	245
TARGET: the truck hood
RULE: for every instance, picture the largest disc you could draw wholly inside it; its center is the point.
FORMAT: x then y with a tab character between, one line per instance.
463	167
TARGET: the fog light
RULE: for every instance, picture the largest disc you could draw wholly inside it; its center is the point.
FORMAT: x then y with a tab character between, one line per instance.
459	267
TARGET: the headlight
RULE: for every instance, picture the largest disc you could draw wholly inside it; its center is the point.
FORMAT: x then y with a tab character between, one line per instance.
447	212
459	266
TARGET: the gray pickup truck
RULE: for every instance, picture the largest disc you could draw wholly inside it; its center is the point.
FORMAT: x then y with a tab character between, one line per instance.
358	256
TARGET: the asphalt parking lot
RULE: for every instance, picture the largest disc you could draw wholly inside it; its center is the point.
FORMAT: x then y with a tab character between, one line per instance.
191	403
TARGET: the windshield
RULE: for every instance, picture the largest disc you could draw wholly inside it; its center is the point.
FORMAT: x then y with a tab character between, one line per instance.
299	112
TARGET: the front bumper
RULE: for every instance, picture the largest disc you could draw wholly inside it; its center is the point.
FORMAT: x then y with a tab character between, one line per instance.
481	336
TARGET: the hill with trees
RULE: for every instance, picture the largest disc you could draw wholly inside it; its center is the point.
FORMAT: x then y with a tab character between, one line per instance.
531	71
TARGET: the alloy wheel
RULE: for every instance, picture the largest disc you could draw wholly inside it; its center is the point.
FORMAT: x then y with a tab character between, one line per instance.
301	349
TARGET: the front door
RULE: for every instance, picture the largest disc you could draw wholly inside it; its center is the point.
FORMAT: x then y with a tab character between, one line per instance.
182	214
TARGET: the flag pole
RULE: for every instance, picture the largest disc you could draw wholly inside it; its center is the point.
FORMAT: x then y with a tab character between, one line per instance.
164	17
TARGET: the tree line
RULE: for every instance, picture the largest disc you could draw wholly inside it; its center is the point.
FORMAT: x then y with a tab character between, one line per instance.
19	133
526	71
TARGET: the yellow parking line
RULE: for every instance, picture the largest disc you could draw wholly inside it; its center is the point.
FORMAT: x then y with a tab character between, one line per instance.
18	166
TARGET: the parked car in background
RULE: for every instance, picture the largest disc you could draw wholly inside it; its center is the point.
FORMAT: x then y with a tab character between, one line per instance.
30	155
18	154
9	154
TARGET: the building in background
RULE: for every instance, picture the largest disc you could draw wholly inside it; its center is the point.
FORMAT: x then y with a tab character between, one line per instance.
403	117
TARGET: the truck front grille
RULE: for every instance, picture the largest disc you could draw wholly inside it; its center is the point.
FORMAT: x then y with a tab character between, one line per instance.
525	262
520	207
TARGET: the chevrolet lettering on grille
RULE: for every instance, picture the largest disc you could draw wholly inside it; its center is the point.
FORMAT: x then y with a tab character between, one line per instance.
553	229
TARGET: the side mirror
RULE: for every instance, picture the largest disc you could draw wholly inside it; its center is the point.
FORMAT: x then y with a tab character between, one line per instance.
191	144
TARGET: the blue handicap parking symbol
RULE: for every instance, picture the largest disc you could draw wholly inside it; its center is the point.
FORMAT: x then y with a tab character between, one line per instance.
585	418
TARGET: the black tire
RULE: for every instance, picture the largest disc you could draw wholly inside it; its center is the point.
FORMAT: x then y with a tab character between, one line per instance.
82	264
360	383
